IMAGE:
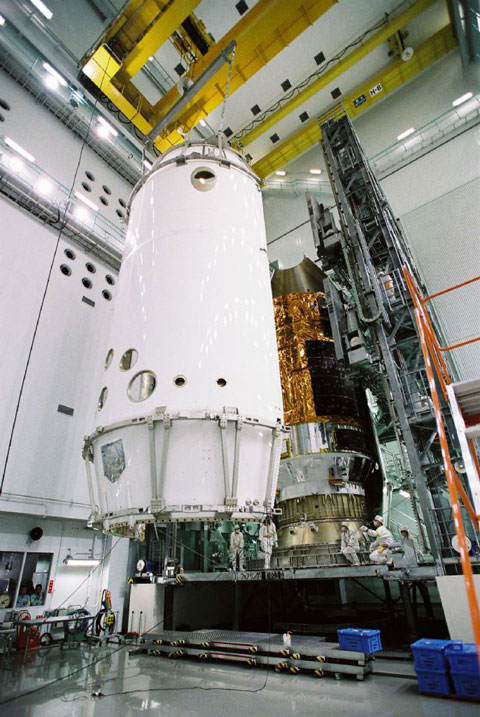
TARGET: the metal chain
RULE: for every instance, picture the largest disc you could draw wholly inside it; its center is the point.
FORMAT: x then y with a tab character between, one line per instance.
227	90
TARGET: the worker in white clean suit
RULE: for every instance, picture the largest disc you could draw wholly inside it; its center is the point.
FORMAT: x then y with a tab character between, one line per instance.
236	549
383	542
268	539
349	545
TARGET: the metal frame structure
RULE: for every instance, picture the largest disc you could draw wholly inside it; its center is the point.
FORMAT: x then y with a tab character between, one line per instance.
373	320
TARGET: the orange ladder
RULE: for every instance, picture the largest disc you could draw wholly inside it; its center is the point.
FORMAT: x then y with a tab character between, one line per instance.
464	400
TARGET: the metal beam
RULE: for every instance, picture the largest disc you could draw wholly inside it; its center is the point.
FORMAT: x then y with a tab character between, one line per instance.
205	77
390	79
327	77
261	34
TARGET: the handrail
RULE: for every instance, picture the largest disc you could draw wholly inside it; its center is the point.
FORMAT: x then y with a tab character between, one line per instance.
431	351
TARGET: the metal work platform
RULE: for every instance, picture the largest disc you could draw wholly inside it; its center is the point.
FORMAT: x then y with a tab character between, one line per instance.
424	572
305	654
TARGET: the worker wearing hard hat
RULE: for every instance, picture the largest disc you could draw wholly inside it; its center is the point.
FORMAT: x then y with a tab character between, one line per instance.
236	549
268	539
381	552
349	545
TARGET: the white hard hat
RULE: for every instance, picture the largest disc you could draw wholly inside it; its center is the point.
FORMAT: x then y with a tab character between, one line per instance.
237	526
344	525
403	529
379	519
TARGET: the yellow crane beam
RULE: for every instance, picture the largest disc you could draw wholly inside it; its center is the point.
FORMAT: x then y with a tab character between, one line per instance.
342	66
362	98
261	34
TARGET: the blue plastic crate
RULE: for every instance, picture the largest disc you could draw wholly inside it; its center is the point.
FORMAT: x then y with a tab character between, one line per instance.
359	640
466	684
436	682
430	654
463	658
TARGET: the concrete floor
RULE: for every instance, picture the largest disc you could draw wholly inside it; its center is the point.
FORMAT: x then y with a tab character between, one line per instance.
139	683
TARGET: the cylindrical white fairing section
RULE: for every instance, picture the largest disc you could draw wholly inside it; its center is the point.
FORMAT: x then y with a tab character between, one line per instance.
192	371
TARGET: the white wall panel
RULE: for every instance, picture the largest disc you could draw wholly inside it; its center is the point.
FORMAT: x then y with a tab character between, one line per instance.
45	459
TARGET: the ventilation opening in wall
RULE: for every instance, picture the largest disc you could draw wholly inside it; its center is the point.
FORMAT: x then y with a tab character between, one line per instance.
106	189
70	254
89	176
104	201
106	295
122	203
91	267
179	381
87	283
203	179
86	187
120	214
4	104
65	270
221	382
109	279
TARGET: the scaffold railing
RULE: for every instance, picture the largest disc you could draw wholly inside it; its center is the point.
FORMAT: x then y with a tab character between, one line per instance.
436	367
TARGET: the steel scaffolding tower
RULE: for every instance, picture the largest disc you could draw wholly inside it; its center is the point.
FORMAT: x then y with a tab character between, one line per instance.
373	321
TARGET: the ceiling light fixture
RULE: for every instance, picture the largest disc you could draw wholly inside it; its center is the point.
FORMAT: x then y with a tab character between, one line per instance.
203	123
462	99
104	129
2	20
315	171
280	173
15	164
44	186
54	74
148	165
81	562
46	12
405	134
81	213
19	149
86	201
404	494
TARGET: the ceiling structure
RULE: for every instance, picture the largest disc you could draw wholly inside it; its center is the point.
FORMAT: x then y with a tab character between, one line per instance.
293	62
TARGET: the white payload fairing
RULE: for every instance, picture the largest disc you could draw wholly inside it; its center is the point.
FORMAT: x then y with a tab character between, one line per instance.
189	418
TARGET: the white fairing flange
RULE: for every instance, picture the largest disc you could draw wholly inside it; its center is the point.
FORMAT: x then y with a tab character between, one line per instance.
194	301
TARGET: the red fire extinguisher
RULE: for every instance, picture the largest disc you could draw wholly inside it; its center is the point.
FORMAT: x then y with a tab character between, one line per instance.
25	633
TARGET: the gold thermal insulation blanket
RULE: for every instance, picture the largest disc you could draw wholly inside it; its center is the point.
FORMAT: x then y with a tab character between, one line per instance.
314	386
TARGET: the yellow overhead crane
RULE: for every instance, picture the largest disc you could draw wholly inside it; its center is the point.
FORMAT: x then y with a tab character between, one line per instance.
324	79
361	99
146	24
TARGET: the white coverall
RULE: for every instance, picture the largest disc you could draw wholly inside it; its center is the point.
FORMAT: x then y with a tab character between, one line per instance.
350	546
268	538
381	545
236	550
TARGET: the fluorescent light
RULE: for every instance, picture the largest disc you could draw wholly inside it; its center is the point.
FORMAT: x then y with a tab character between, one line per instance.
43	8
150	59
2	20
407	133
16	164
79	563
105	128
19	149
148	165
86	201
280	173
53	73
203	123
462	99
404	493
81	213
315	171
44	186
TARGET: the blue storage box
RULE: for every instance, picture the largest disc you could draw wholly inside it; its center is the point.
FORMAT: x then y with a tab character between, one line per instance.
466	684
436	682
463	658
359	640
429	655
